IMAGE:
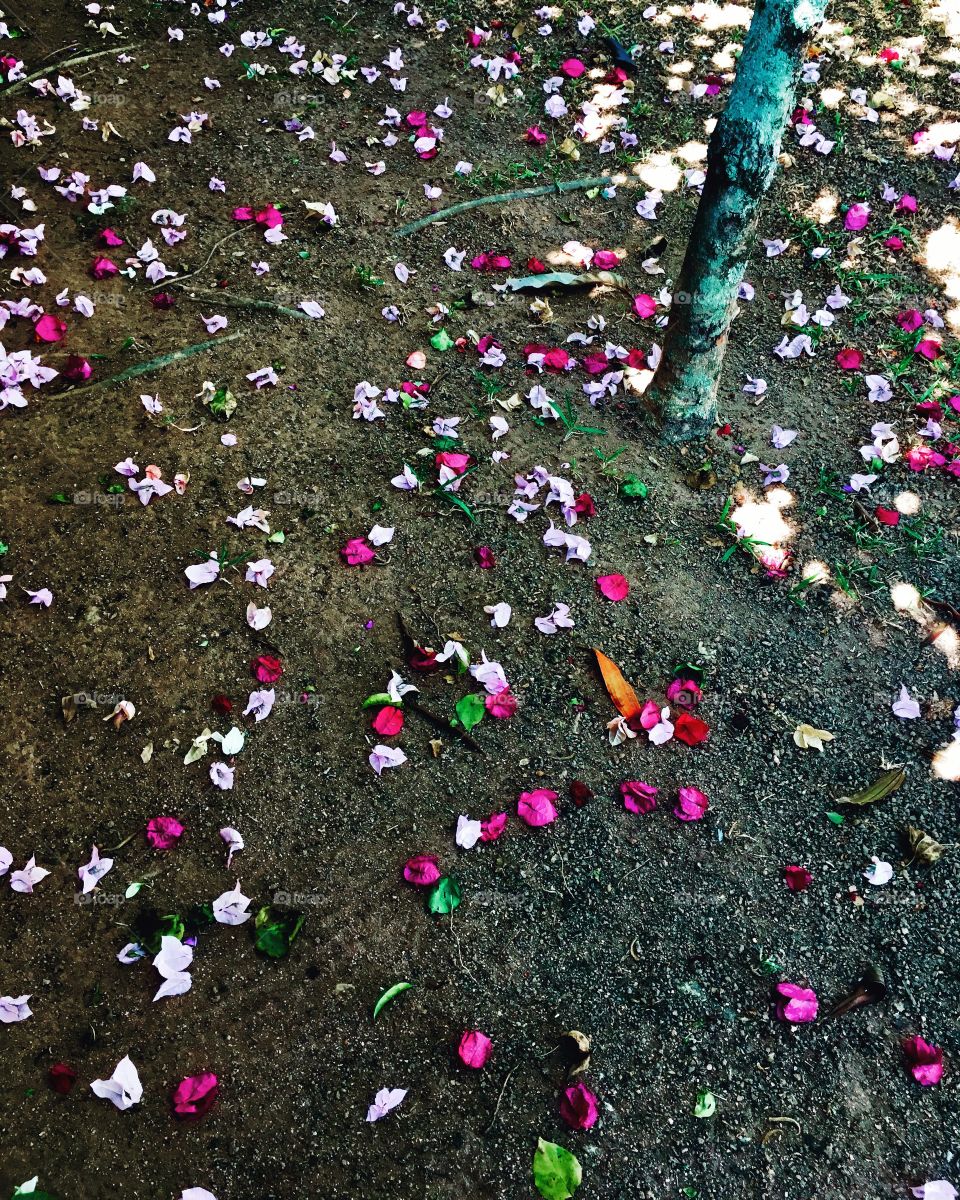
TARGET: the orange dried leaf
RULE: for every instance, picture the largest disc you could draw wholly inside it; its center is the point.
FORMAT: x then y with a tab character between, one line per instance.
621	693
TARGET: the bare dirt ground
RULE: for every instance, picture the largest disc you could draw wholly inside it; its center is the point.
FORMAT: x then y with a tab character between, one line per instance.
660	940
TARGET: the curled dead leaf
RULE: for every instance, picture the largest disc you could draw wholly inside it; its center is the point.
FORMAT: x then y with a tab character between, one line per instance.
925	849
574	1052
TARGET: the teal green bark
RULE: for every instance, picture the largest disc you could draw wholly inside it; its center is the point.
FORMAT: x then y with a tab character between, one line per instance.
741	162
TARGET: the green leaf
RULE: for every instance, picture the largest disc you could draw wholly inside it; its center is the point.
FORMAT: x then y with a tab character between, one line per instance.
277	536
706	1104
556	1172
275	930
390	994
633	486
380	698
471	710
835	817
442	341
444	896
132	890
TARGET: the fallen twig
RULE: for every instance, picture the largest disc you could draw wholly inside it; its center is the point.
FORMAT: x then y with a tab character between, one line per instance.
213	249
70	62
507	1079
443	723
549	189
154	364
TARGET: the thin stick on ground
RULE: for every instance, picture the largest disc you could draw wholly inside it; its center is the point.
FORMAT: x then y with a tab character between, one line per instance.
549	189
154	364
213	249
70	62
506	1080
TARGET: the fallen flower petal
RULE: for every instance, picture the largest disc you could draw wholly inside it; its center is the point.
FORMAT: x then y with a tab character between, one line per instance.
796	1005
537	807
475	1049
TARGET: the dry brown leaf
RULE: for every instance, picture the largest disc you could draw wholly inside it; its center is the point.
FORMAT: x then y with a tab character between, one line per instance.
620	692
926	849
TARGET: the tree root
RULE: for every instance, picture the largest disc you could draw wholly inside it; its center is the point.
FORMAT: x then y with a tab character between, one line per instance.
153	364
70	62
549	189
247	302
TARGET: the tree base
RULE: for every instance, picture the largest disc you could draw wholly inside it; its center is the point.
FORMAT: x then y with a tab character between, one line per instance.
685	427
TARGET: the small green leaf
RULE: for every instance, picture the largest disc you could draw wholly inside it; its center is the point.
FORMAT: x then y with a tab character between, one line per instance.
835	817
380	698
277	536
706	1105
556	1172
390	994
276	930
633	486
442	341
132	891
444	896
471	710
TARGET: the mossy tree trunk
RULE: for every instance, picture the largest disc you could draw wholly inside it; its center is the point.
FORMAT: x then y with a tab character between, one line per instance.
741	162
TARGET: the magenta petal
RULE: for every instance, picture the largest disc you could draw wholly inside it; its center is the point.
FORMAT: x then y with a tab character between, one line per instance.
163	833
537	807
421	870
578	1107
796	1004
475	1049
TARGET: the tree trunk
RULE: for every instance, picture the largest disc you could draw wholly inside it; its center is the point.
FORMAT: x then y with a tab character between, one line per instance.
741	162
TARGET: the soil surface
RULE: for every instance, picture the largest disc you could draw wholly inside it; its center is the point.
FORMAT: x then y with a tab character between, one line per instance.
660	940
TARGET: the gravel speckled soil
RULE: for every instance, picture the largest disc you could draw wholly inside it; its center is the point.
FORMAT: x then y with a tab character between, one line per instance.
660	940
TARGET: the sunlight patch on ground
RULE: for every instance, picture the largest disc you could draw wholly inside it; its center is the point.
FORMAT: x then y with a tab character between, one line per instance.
946	13
946	762
721	16
692	153
907	600
824	209
907	503
941	258
760	523
661	172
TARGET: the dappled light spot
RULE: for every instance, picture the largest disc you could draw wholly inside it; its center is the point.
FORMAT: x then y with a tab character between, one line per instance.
907	503
816	572
944	132
943	637
661	172
946	762
941	258
947	13
721	16
683	67
830	97
762	527
906	599
726	59
824	209
692	152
